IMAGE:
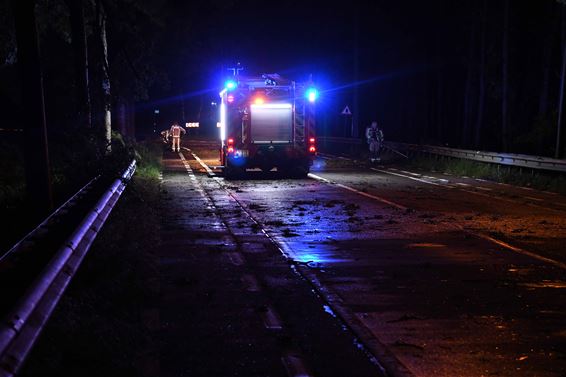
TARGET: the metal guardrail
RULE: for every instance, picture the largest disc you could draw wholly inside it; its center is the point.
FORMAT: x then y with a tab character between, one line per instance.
509	159
45	223
21	328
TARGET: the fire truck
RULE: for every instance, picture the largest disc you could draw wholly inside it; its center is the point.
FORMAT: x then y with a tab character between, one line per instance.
267	122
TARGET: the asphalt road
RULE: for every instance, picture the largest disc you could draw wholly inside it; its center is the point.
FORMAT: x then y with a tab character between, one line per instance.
357	270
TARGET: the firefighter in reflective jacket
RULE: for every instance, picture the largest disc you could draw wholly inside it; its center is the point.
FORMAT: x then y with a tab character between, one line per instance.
374	137
175	132
165	136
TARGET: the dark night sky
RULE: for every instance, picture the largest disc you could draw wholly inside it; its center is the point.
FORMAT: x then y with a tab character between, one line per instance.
296	39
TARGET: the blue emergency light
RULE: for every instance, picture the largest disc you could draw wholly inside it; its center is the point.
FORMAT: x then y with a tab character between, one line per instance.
230	85
312	94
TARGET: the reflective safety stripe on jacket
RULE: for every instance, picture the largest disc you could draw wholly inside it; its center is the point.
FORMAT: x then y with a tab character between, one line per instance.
176	131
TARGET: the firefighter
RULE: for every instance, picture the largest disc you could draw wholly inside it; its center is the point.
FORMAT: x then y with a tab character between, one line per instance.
165	136
175	132
374	136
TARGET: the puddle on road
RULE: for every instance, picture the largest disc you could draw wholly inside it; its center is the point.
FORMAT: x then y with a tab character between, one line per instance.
329	310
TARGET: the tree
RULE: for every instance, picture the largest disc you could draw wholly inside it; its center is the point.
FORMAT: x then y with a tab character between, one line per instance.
104	117
80	53
482	78
505	77
557	151
38	175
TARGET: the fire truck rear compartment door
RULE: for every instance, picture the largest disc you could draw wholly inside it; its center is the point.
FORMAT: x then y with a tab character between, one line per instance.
271	124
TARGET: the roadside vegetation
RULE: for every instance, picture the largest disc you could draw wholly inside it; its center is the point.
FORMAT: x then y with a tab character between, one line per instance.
106	322
498	173
75	159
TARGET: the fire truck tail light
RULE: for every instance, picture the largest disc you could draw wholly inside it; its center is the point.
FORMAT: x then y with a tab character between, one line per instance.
311	140
312	149
230	150
230	98
230	141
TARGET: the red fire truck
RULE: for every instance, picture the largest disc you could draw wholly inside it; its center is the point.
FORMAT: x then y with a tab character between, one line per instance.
267	122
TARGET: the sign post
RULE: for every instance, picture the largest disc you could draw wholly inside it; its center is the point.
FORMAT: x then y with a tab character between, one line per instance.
347	113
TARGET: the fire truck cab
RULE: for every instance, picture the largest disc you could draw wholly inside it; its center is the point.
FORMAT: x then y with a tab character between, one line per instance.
267	122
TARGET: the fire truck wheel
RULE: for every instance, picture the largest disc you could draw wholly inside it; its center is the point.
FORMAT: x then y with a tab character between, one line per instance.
294	171
233	172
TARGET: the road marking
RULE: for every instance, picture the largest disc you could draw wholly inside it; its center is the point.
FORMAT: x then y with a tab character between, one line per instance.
404	176
460	186
408	172
523	251
510	247
295	367
205	166
383	200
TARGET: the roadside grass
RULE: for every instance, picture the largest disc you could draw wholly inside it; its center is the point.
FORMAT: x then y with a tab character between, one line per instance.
107	321
493	172
74	161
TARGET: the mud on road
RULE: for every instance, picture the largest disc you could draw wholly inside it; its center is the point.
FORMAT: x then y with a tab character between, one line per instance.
412	268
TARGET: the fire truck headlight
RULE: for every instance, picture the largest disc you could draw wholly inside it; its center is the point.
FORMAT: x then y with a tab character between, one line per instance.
312	94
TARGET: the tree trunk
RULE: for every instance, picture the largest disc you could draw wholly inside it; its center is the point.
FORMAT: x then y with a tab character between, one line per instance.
125	122
505	78
481	97
356	49
546	61
36	155
440	108
465	141
76	8
558	152
105	75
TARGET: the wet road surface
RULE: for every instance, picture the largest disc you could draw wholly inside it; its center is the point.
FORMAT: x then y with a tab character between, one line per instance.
433	275
231	304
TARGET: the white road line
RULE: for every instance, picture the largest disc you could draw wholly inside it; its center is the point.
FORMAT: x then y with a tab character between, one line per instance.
294	365
205	166
535	199
460	186
404	176
522	251
410	173
383	200
509	246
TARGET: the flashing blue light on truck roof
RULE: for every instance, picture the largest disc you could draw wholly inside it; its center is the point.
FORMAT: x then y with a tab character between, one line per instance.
230	84
312	94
